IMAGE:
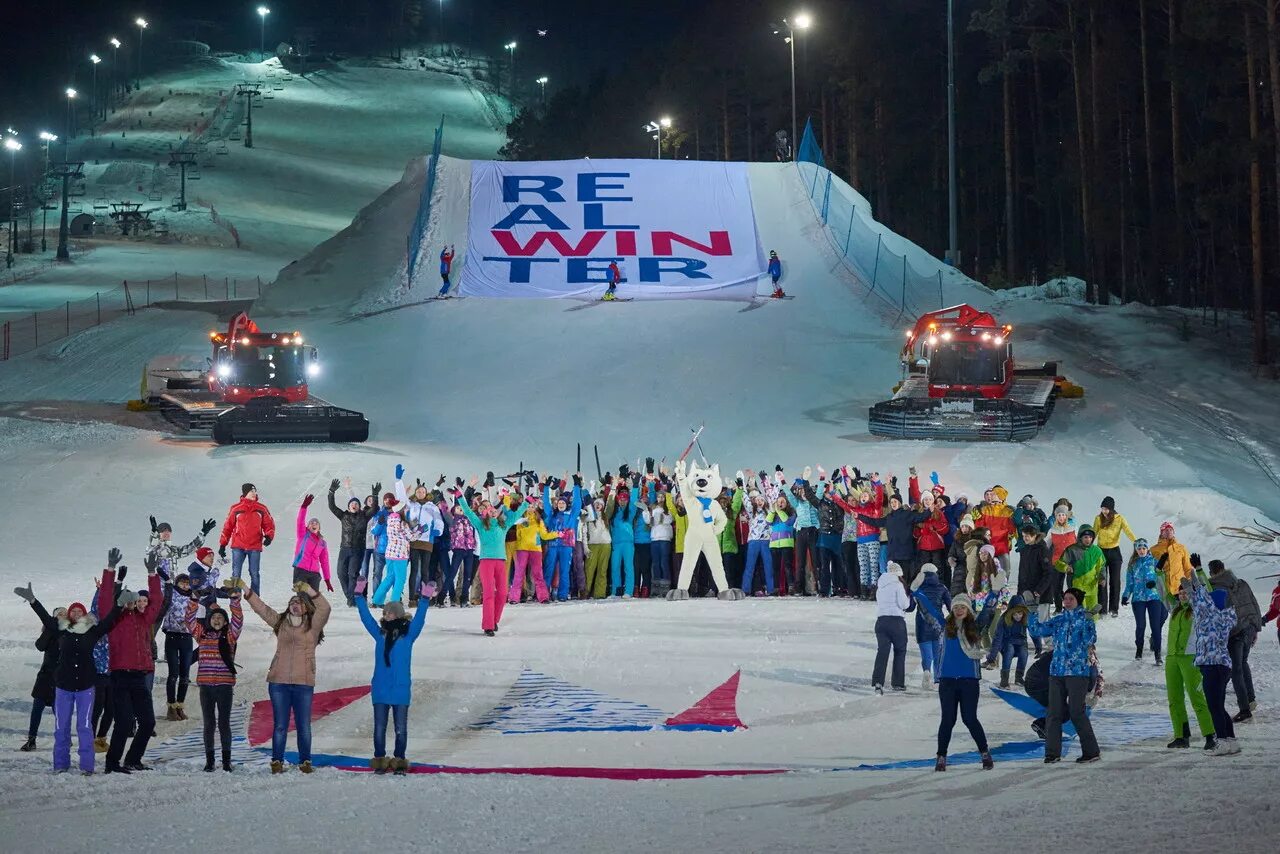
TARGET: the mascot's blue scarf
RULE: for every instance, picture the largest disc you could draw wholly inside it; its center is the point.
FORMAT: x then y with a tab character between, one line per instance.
706	509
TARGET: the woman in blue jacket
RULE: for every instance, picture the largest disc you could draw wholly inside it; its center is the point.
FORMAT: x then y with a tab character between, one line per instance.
961	680
393	640
1142	588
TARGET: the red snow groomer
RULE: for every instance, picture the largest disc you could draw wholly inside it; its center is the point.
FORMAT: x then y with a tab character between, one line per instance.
960	382
254	389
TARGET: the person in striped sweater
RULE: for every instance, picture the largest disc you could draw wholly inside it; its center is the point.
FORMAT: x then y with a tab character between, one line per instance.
216	638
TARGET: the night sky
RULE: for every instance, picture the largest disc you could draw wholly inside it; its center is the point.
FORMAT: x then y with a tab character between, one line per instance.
47	44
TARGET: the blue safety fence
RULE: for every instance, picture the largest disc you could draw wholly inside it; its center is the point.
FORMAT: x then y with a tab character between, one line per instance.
862	244
424	205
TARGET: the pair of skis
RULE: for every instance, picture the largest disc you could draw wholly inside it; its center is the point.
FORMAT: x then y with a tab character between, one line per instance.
697	432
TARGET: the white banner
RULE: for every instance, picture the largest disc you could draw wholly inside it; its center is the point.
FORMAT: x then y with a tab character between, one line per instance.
677	229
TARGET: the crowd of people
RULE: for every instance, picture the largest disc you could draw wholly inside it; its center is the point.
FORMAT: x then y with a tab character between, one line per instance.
981	580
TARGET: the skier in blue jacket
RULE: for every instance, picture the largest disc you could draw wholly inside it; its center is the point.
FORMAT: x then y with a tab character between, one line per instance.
775	273
561	516
393	639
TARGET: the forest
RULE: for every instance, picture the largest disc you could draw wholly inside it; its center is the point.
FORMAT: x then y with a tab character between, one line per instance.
1133	143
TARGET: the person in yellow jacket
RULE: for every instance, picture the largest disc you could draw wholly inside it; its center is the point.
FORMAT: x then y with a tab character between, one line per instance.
1109	525
675	506
531	533
1172	559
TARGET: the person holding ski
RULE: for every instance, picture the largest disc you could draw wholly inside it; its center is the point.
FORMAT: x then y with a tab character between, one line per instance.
248	530
216	637
73	632
311	554
392	682
1108	526
291	679
446	266
615	277
775	273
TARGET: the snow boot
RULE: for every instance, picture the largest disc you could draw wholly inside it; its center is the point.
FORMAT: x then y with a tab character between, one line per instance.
181	710
172	713
277	767
926	681
208	761
489	632
137	766
1037	726
987	762
305	767
226	760
1226	747
1052	760
879	690
28	745
1084	760
1137	656
1179	744
778	293
1004	678
941	764
1210	743
1159	660
1019	674
1186	731
100	745
1242	716
989	665
379	765
115	769
401	766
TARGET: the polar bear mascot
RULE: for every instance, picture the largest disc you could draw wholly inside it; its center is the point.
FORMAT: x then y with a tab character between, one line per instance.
699	488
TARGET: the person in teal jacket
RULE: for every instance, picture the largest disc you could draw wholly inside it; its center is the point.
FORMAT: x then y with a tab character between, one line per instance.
491	526
622	513
561	516
393	640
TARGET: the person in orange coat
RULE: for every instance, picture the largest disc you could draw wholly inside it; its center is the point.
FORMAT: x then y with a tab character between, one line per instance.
997	517
1172	559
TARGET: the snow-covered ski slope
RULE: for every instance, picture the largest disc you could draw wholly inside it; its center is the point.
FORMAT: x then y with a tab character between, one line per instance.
468	385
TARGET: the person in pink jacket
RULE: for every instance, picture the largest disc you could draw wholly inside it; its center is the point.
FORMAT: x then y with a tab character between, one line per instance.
311	553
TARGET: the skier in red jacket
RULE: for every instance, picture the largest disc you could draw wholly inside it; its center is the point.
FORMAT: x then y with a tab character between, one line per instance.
129	643
249	529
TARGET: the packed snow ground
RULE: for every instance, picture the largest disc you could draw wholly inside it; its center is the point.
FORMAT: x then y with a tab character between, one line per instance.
1169	427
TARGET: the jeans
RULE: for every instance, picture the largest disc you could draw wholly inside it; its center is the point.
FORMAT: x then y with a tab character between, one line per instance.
392	582
349	571
530	561
891	632
237	566
401	716
757	551
133	712
869	565
622	569
1238	646
73	707
1156	613
179	652
377	565
215	708
558	567
1066	701
830	572
962	695
37	712
660	560
1216	677
1011	651
466	559
286	698
931	657
493	583
419	570
1114	580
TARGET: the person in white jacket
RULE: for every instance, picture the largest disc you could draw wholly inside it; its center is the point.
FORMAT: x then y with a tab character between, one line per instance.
661	535
599	550
892	605
425	521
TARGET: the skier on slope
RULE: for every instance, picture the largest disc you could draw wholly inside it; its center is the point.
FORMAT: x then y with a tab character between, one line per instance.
775	273
446	266
615	276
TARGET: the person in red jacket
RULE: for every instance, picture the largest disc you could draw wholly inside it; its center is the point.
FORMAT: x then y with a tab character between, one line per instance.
1275	610
932	532
997	517
249	529
131	662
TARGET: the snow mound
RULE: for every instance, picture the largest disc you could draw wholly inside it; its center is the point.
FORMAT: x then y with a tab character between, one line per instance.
1064	289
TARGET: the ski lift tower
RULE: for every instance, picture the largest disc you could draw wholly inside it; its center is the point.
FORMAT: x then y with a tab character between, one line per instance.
248	91
66	171
182	159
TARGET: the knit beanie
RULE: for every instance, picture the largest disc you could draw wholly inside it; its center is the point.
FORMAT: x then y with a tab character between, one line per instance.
928	567
1166	526
203	552
988	550
246	488
894	569
126	598
163	527
73	606
1063	509
393	610
961	599
1141	543
966	520
1109	503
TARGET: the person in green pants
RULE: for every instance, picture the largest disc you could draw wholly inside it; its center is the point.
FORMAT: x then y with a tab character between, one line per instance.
1183	679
